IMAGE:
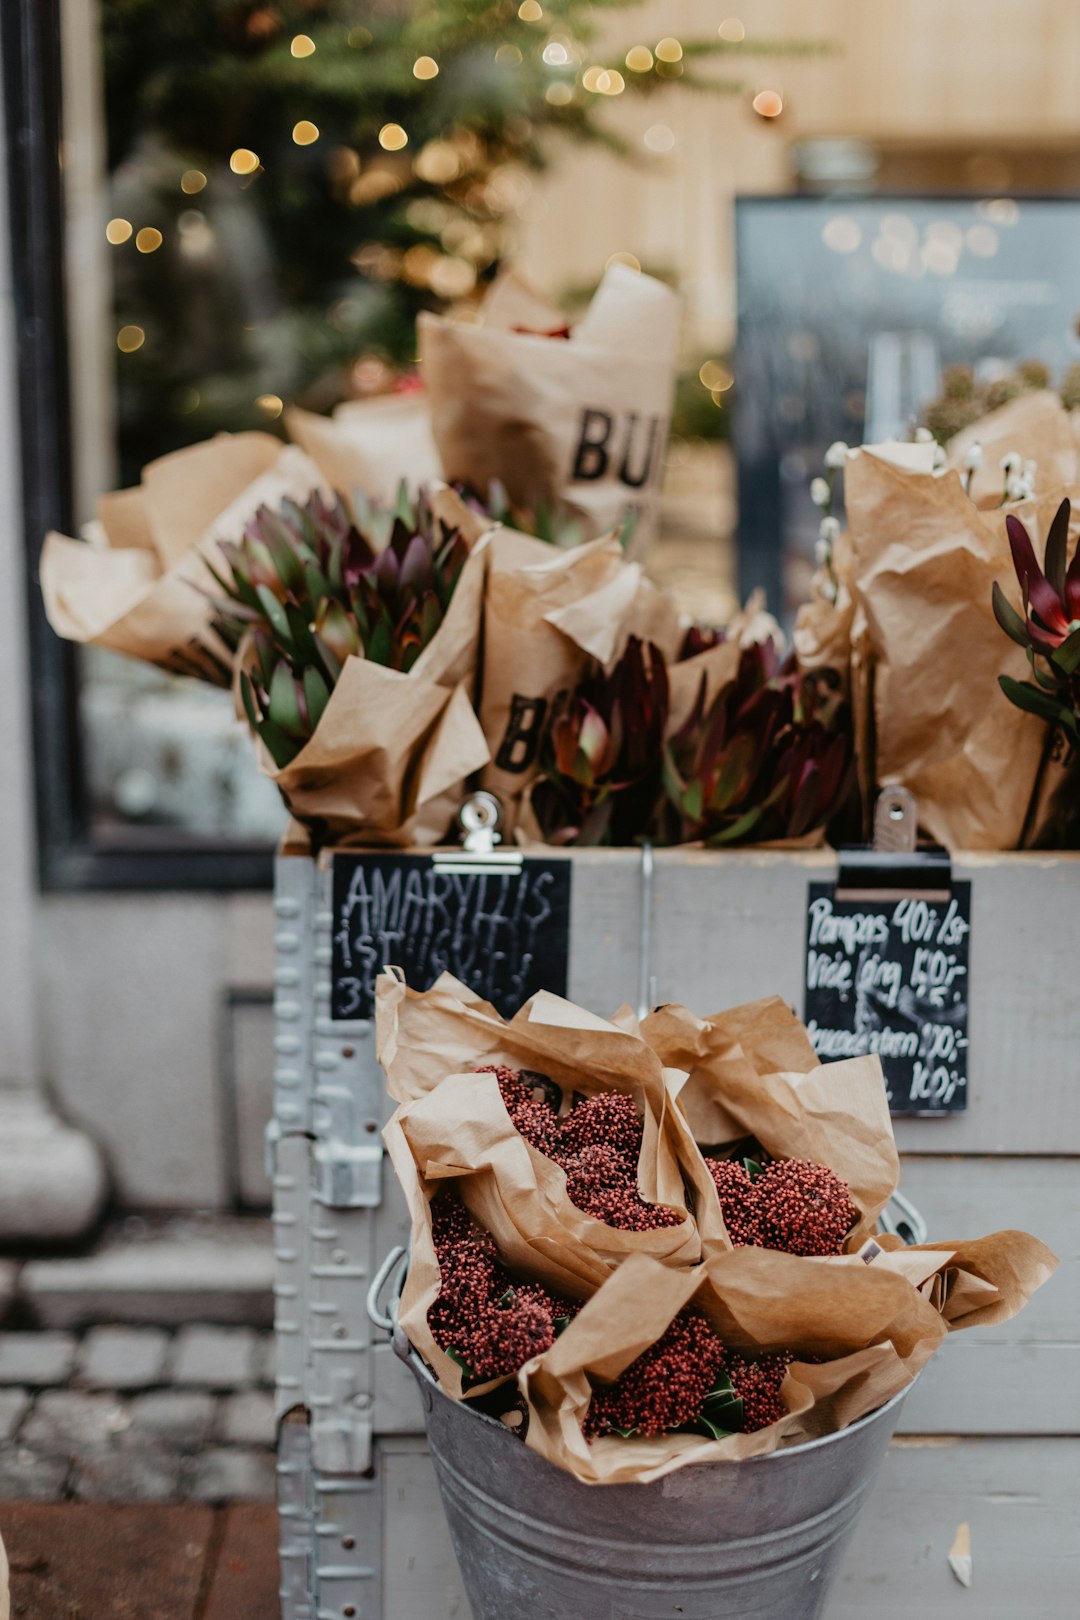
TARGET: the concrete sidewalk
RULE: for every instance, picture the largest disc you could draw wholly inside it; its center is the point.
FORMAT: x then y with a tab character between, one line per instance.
103	1561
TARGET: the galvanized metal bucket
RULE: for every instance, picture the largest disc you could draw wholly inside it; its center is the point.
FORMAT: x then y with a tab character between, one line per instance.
756	1540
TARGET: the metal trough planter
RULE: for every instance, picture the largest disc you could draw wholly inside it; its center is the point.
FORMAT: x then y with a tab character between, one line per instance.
761	1539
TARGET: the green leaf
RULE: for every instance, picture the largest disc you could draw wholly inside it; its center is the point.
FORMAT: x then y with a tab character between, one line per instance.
1057	542
380	645
403	505
275	615
1066	658
1031	699
753	1168
247	693
508	1298
738	829
1008	618
712	1429
692	801
282	749
623	1434
560	1324
316	696
283	706
459	1361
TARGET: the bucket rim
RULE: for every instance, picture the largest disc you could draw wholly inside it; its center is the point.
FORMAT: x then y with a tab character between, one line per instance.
424	1375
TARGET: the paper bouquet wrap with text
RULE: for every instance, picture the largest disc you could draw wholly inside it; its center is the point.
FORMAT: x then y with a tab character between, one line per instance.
571	420
136	585
546	613
915	607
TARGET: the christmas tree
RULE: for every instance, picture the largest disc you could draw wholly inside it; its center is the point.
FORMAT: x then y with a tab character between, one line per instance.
292	182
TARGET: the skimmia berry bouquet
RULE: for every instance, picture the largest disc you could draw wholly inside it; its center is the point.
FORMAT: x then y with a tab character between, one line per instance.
1049	631
491	1323
627	1297
309	585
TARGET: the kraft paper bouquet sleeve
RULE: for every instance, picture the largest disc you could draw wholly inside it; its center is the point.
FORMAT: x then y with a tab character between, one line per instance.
431	1046
371	444
390	755
546	613
974	1282
874	1331
925	560
137	585
567	419
1036	428
753	1073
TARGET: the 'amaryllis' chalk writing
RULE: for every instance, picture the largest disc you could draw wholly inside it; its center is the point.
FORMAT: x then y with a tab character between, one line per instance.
890	977
504	934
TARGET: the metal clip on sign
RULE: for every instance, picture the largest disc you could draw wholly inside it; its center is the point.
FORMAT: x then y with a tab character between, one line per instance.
892	865
480	817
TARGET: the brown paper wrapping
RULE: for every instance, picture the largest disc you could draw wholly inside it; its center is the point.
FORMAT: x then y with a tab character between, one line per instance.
133	587
925	561
546	613
1037	428
877	1338
579	424
753	1072
390	757
751	625
371	445
976	1282
457	1127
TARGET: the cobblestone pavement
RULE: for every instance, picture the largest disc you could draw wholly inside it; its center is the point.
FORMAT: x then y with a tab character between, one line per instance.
137	1415
142	1371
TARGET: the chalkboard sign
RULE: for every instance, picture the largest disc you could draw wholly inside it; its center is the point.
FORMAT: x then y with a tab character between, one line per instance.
890	976
505	933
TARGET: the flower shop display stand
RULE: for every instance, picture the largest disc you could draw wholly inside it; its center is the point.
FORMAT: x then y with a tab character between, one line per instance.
990	1436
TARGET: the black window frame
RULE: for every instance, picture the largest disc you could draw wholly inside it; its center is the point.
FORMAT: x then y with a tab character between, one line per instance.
69	855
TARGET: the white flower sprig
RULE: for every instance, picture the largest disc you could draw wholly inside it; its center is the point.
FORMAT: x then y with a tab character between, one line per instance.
822	493
1019	477
972	463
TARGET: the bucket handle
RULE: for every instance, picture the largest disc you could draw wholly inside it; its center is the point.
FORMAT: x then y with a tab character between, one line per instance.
902	1219
390	1265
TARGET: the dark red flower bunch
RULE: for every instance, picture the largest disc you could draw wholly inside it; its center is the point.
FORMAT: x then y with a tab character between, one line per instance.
487	1321
1049	632
787	1204
757	1385
770	757
688	1380
532	1114
666	1387
601	756
597	1143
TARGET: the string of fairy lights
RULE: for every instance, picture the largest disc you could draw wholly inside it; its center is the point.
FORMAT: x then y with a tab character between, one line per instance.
439	163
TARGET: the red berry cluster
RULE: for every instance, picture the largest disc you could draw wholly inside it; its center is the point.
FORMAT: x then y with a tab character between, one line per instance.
665	1387
533	1116
757	1384
598	1144
492	1323
793	1205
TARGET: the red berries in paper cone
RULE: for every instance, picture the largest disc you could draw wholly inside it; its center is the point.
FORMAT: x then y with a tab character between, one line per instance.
788	1204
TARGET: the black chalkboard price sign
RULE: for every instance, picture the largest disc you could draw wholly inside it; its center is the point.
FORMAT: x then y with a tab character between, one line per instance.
890	975
504	932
